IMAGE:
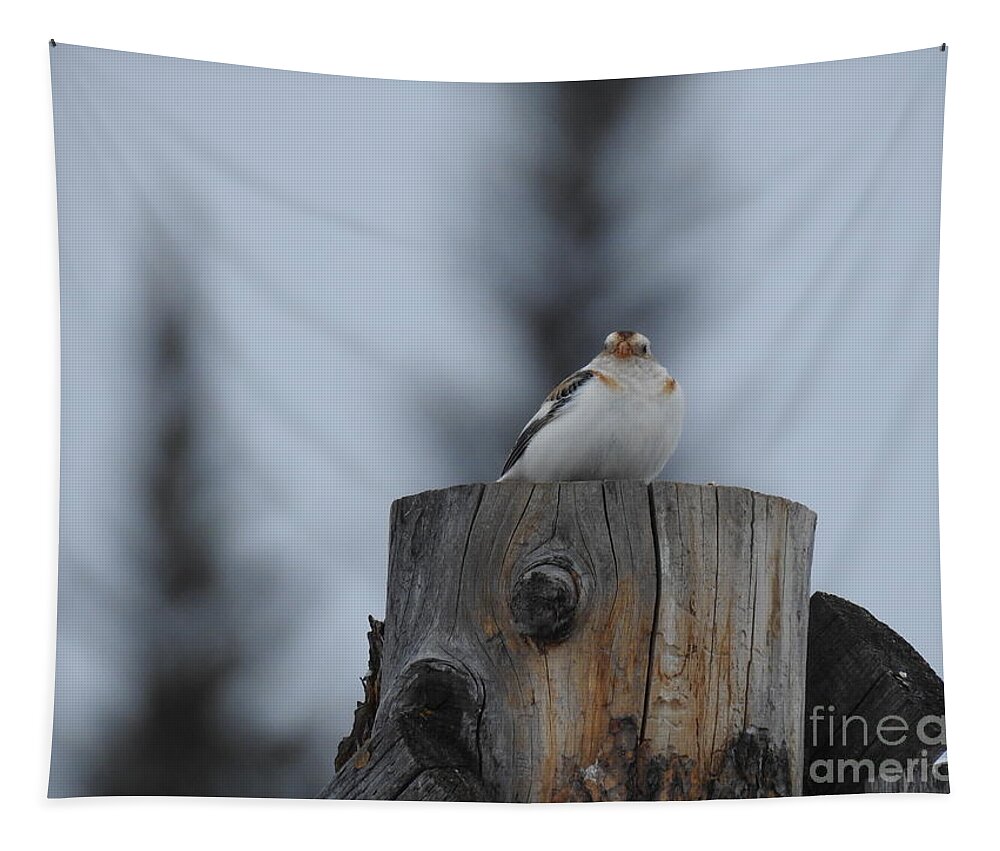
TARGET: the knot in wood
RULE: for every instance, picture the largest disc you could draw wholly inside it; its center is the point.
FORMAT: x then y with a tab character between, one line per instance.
544	602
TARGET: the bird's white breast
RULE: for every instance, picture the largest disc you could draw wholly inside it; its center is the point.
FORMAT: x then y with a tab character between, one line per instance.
626	427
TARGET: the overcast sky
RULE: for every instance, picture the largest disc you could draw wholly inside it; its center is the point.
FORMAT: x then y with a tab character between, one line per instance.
776	231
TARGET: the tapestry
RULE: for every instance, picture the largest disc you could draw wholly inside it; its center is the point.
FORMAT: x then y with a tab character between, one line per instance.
509	442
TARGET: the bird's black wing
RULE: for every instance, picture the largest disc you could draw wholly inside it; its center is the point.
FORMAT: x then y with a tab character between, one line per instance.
560	396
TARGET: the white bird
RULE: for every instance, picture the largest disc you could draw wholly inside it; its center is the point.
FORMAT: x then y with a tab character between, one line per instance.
619	417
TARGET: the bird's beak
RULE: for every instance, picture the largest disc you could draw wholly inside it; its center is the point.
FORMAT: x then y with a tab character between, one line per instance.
623	350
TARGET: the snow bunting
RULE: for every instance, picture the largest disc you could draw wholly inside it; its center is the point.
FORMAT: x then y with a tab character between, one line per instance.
619	417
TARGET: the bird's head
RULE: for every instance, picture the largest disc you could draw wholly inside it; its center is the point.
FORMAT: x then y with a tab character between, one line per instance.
627	344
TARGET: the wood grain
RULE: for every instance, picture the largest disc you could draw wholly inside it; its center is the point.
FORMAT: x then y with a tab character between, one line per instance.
590	641
730	633
862	674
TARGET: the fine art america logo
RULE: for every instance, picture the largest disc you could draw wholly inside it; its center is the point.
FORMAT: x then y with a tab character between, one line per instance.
831	732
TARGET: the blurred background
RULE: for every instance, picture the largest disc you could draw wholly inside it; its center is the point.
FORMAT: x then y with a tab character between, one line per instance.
288	299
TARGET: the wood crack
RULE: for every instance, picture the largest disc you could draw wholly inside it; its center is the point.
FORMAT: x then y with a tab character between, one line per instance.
655	631
611	541
465	552
752	598
715	619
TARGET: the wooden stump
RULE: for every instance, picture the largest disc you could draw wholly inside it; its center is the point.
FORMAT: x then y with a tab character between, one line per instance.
590	641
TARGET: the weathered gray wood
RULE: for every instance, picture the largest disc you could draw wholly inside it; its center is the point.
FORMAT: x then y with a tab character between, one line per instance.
590	641
364	715
861	674
427	745
730	636
934	785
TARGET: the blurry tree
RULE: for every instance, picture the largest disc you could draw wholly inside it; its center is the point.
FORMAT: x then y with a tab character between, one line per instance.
178	741
559	308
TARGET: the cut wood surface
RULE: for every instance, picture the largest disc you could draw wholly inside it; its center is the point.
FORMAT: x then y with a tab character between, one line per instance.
589	641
